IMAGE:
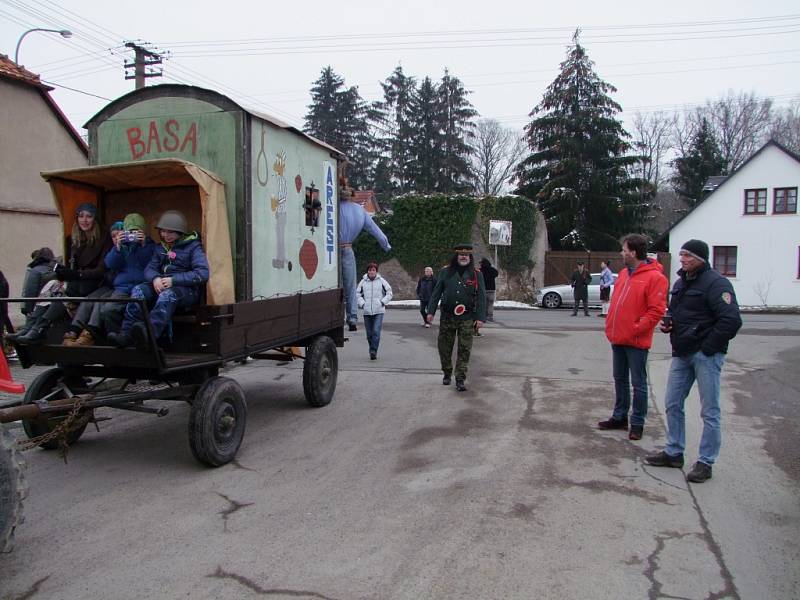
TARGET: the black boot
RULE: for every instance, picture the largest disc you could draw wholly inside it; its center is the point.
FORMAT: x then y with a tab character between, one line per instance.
36	334
460	385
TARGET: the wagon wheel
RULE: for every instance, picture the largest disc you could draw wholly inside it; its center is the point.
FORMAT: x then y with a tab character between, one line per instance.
320	371
217	421
44	384
13	490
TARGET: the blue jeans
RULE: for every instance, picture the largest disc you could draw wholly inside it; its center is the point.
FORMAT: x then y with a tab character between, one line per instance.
164	306
633	361
373	324
683	372
348	261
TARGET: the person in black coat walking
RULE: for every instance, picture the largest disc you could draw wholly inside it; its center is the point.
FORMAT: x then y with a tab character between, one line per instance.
424	291
489	275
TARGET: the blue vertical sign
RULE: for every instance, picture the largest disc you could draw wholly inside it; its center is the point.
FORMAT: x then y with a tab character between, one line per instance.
330	218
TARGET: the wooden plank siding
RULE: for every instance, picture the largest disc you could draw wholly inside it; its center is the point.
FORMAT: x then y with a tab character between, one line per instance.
559	265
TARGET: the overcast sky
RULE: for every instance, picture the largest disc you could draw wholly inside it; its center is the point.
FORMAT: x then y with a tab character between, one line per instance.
265	55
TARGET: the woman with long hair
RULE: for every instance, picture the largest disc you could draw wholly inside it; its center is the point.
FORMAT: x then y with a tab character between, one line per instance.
84	273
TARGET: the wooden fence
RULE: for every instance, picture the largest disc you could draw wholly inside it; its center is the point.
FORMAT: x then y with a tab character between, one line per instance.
559	265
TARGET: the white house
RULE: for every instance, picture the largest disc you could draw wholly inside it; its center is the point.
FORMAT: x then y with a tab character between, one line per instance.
751	225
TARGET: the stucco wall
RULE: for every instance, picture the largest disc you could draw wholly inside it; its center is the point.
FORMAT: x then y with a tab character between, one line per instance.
32	140
767	244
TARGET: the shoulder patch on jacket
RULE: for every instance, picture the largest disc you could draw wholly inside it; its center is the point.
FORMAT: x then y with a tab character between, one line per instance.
726	297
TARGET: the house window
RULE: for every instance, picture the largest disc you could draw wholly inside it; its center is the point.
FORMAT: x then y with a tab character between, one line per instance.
755	202
785	201
725	260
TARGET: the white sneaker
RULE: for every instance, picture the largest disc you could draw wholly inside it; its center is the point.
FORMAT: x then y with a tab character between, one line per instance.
428	325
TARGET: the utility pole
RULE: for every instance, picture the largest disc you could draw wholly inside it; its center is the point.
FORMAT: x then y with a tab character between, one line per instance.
144	58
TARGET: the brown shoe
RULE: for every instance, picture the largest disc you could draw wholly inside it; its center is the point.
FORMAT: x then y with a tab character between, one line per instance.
69	338
84	339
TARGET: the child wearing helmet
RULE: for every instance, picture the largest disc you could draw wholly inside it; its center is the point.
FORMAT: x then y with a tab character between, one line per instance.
174	278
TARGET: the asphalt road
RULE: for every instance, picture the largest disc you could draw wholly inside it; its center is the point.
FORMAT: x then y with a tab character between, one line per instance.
403	488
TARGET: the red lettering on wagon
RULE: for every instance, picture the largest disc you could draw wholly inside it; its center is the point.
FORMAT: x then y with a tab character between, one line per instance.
159	140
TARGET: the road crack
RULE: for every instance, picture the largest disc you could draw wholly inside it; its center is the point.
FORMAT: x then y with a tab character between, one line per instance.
220	573
234	507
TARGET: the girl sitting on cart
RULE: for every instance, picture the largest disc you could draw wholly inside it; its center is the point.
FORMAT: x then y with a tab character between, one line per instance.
176	274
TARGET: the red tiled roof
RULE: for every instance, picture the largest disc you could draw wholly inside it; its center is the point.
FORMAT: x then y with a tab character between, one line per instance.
11	70
367	199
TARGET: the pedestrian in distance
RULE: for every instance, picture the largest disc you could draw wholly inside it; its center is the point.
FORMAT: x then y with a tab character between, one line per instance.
373	294
580	281
606	281
460	288
353	219
424	291
489	276
702	318
640	297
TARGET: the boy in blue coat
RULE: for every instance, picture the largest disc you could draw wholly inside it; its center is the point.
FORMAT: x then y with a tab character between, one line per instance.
174	279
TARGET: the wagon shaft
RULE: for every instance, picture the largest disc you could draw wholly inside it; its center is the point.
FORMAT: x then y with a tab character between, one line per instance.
34	410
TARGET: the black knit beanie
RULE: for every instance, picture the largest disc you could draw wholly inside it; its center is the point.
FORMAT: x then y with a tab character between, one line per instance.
697	248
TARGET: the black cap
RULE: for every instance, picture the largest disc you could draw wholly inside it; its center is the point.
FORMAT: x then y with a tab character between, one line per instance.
463	249
697	248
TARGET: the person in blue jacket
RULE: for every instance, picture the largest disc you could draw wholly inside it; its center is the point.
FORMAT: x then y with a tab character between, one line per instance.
174	279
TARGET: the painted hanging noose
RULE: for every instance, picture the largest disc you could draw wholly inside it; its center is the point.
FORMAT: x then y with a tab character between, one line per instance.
261	160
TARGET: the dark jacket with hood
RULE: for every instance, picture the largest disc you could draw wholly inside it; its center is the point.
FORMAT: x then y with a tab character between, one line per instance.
705	315
425	288
40	271
185	262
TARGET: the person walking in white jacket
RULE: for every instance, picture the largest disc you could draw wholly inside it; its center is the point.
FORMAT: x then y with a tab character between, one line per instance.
373	294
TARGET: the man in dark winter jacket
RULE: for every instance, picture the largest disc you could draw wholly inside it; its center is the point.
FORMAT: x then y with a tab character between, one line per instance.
176	275
702	318
580	281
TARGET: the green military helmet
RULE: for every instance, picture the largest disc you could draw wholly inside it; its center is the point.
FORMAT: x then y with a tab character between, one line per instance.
174	220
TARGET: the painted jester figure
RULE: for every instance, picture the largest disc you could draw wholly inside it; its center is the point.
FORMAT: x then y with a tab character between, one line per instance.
461	290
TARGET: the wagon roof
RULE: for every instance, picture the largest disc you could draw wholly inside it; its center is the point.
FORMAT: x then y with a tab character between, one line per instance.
190	91
162	172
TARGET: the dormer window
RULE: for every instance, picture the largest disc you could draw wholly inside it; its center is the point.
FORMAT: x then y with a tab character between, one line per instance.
755	202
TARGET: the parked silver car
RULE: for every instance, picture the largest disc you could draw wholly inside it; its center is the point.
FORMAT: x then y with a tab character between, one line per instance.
554	296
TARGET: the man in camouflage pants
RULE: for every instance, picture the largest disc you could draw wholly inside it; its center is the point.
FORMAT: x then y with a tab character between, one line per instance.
460	288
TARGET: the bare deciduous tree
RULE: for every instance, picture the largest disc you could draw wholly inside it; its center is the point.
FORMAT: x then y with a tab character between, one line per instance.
741	124
653	137
496	152
786	126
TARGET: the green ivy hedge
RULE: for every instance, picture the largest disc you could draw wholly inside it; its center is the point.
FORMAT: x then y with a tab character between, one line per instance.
423	230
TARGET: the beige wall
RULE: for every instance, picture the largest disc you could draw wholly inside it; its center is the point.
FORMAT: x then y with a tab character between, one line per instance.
32	139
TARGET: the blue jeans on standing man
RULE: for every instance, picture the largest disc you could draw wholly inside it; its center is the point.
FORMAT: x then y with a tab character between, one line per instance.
348	260
630	366
683	372
373	324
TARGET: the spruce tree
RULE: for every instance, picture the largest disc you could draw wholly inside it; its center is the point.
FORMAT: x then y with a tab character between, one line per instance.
339	116
579	165
703	160
393	121
427	139
455	116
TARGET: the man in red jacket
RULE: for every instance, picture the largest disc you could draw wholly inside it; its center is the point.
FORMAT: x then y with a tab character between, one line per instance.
637	305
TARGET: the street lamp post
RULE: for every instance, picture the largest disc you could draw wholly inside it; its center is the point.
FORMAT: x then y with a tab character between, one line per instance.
65	33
